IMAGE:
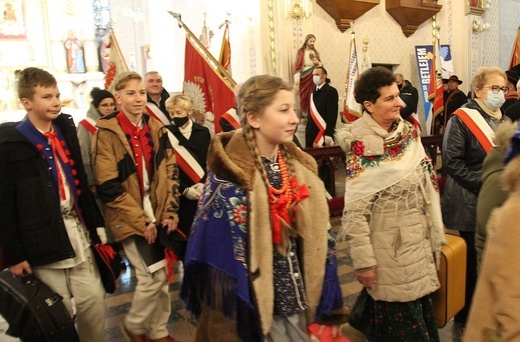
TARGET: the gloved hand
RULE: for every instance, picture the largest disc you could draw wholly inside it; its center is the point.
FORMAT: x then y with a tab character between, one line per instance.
101	232
328	141
193	192
324	333
199	186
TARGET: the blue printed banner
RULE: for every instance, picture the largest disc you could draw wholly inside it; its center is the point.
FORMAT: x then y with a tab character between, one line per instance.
424	55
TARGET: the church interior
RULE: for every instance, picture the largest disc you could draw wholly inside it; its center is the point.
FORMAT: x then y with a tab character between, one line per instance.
67	38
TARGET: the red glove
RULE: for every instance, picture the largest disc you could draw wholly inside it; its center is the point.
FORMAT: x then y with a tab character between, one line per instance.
325	333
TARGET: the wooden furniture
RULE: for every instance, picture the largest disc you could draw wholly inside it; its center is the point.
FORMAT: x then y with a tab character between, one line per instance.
334	158
330	156
433	146
410	14
344	12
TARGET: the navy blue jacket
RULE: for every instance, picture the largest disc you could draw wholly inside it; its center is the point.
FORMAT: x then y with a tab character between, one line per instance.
31	225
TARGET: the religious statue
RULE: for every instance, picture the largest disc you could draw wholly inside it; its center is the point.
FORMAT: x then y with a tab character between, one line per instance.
75	54
307	58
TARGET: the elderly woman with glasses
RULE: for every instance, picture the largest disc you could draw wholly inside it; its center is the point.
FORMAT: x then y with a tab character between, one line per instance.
467	141
103	103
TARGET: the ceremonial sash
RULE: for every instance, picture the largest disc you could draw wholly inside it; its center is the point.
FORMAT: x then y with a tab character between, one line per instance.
414	119
232	117
478	126
185	160
89	124
156	113
320	123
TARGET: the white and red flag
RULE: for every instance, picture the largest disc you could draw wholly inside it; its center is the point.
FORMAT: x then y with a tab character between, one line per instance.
205	86
351	109
225	49
515	53
436	91
116	61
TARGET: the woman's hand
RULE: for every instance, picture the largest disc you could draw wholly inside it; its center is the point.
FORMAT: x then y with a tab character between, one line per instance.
367	277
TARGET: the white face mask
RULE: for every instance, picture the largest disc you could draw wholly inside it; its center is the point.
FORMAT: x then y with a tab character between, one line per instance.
495	101
316	79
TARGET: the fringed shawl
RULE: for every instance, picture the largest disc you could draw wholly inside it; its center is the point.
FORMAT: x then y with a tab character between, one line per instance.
379	159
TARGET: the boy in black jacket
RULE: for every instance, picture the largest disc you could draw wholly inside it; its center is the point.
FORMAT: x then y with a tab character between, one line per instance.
48	217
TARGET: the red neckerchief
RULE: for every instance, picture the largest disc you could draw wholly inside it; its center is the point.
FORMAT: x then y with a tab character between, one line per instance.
140	141
58	152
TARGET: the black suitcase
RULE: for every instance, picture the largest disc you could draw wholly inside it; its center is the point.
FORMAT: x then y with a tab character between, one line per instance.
33	311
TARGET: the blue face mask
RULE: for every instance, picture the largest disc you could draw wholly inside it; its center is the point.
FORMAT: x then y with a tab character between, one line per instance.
495	101
316	79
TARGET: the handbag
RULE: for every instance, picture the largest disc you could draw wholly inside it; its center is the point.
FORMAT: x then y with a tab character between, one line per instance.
108	261
33	310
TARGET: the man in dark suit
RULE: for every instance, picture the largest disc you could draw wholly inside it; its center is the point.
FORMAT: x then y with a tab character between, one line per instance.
410	96
454	98
323	111
321	121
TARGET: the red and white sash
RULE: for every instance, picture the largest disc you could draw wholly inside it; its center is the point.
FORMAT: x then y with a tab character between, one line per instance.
320	123
185	160
478	126
157	113
89	124
232	117
413	118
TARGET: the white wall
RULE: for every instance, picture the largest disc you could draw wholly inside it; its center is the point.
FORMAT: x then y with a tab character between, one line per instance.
167	41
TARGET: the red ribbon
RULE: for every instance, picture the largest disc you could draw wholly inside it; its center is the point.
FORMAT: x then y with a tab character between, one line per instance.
57	150
278	211
106	251
299	195
278	207
171	259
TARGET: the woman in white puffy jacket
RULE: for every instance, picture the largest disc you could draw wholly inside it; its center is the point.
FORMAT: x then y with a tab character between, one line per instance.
392	219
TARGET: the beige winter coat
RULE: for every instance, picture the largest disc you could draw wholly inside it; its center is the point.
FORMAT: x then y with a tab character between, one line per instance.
390	229
495	310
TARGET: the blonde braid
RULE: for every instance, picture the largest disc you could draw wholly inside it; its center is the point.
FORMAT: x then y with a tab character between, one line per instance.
249	135
289	161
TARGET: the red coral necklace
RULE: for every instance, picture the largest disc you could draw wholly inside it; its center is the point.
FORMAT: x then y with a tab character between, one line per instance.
280	200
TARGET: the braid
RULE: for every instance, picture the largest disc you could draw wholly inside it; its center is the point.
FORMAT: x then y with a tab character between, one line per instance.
288	160
249	135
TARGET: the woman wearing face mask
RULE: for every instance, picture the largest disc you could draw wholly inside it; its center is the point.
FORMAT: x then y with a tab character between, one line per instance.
466	143
190	142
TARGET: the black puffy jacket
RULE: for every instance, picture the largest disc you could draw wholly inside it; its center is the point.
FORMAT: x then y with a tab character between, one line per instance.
462	157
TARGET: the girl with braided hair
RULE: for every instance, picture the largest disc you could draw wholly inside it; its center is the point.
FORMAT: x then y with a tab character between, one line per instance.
260	262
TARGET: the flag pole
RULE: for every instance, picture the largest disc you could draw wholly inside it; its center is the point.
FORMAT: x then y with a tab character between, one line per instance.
113	40
515	53
220	68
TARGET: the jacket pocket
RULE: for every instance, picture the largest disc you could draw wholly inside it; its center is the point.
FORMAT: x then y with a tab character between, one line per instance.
32	204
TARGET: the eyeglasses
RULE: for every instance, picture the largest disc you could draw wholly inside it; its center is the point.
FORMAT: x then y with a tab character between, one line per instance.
107	105
495	89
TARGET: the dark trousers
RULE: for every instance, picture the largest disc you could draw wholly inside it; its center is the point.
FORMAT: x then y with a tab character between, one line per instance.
471	275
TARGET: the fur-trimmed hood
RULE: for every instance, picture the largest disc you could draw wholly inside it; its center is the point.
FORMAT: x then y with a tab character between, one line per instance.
494	161
230	157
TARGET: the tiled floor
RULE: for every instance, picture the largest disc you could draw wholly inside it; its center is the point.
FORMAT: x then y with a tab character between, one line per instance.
183	327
